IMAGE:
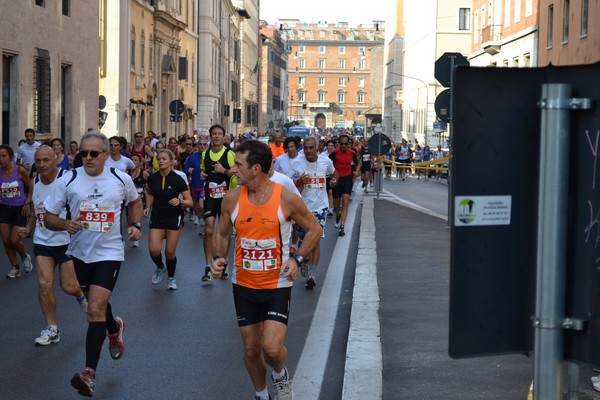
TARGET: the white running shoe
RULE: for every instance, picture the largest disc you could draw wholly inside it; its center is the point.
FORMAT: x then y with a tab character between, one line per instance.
13	273
83	303
48	336
27	264
283	387
196	222
158	275
171	284
136	243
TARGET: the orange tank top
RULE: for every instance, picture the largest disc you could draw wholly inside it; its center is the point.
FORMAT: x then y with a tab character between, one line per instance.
262	242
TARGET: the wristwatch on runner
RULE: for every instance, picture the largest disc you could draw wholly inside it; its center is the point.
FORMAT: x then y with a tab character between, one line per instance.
136	225
299	259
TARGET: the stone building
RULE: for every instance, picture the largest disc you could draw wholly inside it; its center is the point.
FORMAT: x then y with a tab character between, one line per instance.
48	78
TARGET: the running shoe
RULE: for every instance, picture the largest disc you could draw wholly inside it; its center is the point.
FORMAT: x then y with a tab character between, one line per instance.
27	264
136	243
329	214
13	273
310	282
158	275
257	397
48	336
283	387
206	276
83	303
84	382
171	284
341	231
337	221
196	222
116	345
224	276
596	384
190	216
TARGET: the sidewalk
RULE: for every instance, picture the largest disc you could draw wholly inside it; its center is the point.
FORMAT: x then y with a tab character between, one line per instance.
400	308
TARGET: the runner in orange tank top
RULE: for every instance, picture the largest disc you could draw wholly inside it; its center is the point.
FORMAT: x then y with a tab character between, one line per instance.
264	271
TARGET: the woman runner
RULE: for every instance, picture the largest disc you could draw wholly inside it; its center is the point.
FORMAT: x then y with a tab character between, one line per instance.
166	194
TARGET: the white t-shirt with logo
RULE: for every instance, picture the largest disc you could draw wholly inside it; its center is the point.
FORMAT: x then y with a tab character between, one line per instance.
99	201
314	193
26	153
41	234
283	164
284	181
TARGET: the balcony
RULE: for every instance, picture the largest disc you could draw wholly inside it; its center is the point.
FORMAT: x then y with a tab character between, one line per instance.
490	39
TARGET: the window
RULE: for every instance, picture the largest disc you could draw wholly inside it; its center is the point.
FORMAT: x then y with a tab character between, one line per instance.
302	49
193	69
341	96
321	81
361	50
361	82
464	19
584	17
507	12
342	64
341	81
301	63
150	56
143	52
517	10
301	80
322	62
66	7
301	96
133	48
360	97
361	64
528	8
322	49
41	91
527	60
566	9
342	49
321	96
41	3
515	61
550	24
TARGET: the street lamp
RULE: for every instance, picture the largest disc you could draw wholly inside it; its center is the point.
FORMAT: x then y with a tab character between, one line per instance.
426	86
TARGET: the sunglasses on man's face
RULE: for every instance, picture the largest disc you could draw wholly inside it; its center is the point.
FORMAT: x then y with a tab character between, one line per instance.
91	153
138	137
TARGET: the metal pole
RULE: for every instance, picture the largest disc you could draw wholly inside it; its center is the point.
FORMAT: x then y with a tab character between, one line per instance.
450	133
551	242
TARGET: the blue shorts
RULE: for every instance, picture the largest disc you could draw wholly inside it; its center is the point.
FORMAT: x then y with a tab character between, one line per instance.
321	217
197	194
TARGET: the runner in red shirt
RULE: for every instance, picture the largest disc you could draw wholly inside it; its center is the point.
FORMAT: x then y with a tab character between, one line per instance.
347	165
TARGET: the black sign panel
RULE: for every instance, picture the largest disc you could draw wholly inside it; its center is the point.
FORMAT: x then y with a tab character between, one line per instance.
379	144
496	153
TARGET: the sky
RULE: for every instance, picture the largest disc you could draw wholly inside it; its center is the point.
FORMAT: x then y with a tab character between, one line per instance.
351	11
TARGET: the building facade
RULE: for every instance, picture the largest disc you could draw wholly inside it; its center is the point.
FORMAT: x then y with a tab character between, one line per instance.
505	33
148	58
431	28
249	66
272	78
567	35
329	72
49	68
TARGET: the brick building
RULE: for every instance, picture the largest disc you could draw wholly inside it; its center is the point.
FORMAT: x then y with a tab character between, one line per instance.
329	72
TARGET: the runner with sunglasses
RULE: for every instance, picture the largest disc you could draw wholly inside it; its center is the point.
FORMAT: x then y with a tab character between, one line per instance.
95	195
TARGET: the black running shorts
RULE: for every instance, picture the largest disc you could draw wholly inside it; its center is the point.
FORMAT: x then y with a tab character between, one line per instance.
101	273
256	305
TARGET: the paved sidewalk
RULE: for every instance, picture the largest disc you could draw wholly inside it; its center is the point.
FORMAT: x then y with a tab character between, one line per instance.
398	339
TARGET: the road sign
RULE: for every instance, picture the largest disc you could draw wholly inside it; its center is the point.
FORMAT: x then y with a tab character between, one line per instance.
444	66
379	144
176	107
175	118
442	106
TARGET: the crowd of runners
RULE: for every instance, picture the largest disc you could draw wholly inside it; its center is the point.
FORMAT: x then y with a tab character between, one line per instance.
76	203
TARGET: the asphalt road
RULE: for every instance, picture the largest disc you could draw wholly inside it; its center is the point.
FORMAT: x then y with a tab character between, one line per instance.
181	344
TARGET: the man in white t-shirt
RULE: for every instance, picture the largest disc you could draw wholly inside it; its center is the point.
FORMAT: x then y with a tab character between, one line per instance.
95	195
26	151
50	247
309	174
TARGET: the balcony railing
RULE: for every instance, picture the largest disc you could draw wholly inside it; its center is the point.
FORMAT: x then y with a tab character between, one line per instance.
491	33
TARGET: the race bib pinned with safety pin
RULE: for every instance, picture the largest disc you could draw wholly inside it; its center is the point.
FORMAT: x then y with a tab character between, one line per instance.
97	217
